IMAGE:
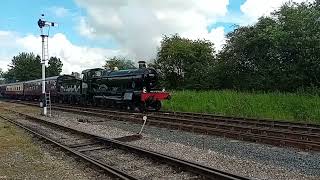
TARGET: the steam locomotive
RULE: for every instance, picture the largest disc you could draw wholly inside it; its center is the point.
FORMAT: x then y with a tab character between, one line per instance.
133	89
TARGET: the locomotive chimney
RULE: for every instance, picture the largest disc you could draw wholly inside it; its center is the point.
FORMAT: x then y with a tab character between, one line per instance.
142	64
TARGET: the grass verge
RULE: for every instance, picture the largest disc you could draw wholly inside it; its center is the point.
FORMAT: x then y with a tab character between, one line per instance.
280	106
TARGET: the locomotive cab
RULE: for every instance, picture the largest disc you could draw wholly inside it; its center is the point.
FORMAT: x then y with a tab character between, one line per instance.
88	74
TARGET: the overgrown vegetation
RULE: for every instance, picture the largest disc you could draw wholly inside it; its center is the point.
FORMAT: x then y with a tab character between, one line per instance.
119	62
278	53
279	57
27	66
276	105
185	63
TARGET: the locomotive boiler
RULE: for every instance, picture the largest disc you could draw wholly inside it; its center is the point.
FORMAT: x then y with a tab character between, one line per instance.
135	89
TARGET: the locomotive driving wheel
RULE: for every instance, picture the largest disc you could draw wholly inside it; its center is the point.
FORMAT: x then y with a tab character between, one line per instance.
140	107
156	105
153	105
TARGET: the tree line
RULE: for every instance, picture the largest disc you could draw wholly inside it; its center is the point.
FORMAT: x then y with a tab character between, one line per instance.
280	52
27	66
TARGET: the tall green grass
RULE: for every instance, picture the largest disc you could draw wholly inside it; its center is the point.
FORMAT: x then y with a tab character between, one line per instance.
280	106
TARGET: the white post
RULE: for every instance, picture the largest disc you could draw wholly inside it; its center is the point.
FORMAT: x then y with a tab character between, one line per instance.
44	102
42	24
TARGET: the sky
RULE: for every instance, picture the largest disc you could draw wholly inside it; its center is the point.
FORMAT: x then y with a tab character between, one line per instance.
89	31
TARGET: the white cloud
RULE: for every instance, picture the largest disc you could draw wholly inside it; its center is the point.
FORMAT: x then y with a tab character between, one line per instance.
59	11
84	29
74	58
253	9
6	39
217	37
8	48
138	25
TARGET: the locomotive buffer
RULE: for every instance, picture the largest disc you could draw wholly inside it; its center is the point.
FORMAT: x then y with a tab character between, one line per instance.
45	56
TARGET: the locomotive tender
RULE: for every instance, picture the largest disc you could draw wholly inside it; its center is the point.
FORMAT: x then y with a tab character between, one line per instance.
134	89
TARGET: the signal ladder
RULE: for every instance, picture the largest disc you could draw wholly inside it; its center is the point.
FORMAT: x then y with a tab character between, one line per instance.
48	102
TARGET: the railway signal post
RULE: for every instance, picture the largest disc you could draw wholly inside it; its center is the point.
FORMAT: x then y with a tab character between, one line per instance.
44	57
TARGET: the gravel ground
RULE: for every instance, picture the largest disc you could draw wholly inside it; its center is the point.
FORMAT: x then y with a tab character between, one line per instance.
247	159
24	157
137	166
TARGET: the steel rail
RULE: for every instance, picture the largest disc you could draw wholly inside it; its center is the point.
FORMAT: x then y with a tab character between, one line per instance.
115	172
253	134
205	171
282	124
209	118
211	122
271	122
299	139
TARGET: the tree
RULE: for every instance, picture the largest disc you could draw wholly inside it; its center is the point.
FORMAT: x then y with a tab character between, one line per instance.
280	52
9	76
119	62
184	63
23	67
54	67
2	81
27	66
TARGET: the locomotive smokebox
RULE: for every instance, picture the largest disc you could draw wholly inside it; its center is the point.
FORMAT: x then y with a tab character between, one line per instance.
142	64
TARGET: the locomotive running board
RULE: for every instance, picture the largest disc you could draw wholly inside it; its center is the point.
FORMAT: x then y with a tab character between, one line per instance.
117	98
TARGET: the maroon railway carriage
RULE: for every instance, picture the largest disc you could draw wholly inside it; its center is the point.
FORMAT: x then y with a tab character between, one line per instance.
13	90
28	90
33	88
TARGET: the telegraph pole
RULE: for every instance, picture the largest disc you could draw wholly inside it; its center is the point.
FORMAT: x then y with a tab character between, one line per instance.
44	57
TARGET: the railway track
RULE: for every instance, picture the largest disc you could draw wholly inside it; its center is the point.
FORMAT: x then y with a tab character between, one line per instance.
279	133
86	145
244	121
